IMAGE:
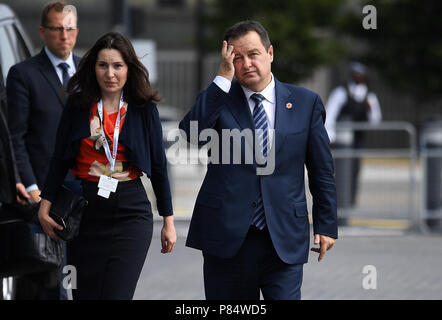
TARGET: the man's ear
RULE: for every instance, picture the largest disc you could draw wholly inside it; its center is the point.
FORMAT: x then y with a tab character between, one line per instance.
270	52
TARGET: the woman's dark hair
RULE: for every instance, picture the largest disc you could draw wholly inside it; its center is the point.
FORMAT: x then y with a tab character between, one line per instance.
242	28
83	87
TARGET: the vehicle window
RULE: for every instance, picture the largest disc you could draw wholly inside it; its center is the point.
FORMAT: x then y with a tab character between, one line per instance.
18	42
7	58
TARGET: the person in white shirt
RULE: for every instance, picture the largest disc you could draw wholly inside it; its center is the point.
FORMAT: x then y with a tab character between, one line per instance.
351	102
357	90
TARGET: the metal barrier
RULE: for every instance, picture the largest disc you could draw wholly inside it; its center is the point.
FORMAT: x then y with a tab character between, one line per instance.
431	160
346	130
177	77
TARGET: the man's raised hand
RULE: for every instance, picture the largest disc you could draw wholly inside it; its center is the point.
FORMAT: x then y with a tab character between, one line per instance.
226	69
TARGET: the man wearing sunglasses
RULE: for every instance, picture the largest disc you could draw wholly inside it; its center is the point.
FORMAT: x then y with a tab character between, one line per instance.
36	93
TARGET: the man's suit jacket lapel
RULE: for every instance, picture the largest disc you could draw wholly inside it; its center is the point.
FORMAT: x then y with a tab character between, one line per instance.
50	75
48	71
240	110
240	107
283	115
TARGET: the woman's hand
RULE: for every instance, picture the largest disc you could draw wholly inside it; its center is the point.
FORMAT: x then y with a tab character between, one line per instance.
168	235
46	221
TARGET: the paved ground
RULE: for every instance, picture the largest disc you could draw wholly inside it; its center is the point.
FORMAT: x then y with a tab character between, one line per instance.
407	266
378	236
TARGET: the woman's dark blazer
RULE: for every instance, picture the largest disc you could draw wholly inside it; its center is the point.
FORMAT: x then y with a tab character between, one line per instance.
142	136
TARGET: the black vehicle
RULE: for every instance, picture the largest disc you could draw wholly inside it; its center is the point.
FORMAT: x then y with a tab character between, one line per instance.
15	46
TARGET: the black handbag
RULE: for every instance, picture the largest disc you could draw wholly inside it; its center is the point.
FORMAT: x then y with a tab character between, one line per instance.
67	210
23	250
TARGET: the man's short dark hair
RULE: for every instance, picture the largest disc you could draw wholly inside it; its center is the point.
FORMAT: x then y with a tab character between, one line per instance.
242	28
54	5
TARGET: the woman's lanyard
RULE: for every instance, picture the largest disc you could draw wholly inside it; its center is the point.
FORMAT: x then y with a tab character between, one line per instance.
107	184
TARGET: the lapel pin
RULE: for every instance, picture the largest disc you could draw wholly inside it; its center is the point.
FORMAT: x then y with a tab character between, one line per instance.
289	105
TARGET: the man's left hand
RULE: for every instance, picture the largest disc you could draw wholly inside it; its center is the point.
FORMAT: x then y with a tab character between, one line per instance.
325	244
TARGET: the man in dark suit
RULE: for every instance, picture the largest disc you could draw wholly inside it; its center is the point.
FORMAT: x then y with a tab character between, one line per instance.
252	225
8	169
36	95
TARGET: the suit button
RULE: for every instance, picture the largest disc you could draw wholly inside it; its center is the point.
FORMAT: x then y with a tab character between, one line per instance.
253	204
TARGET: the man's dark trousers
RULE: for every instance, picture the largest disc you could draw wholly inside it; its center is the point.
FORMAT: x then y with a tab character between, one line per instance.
255	267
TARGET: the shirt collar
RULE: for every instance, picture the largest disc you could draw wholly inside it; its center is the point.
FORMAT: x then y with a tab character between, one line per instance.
268	93
56	61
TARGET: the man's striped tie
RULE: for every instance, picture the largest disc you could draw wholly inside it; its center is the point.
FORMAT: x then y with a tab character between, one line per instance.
260	119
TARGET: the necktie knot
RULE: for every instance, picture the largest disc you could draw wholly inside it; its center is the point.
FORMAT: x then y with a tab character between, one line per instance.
65	75
63	66
257	97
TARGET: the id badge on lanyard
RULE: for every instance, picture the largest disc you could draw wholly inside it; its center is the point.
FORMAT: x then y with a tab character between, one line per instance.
106	185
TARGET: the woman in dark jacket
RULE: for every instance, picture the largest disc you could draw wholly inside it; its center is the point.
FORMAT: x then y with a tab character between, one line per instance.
109	134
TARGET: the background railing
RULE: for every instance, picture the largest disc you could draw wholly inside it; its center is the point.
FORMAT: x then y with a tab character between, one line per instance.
431	161
385	182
